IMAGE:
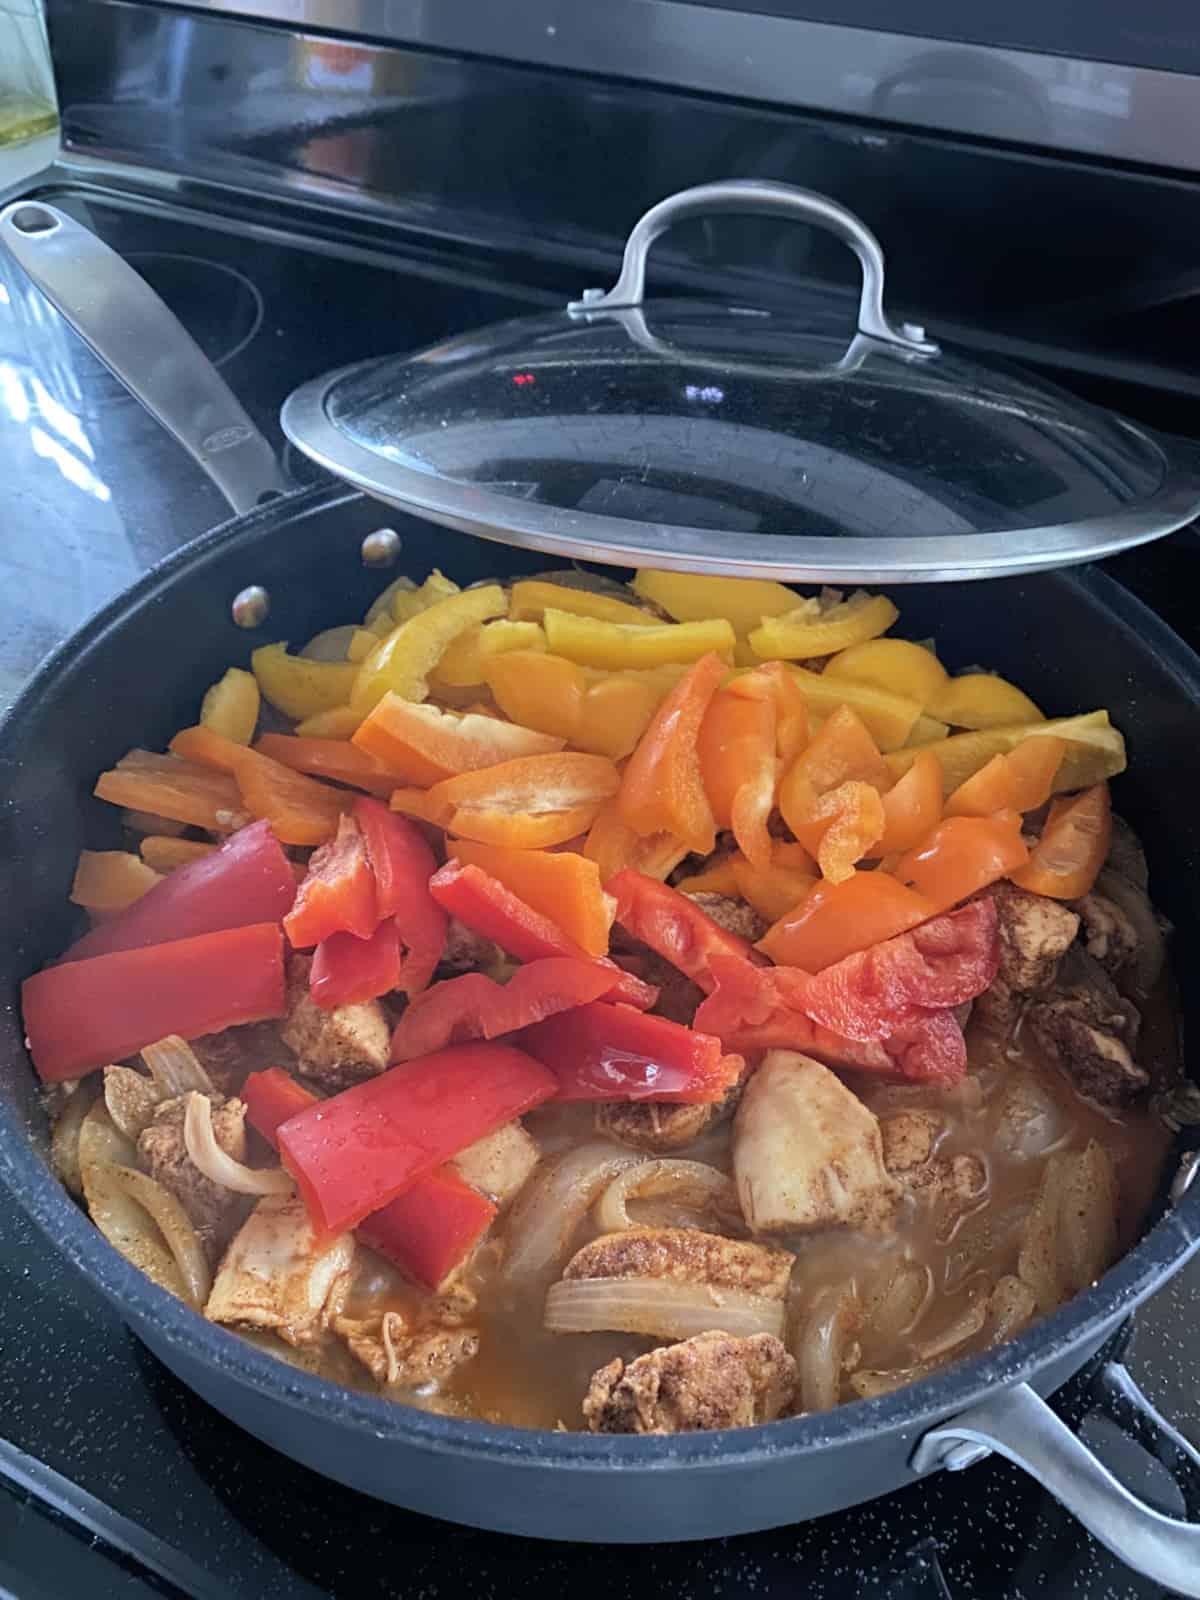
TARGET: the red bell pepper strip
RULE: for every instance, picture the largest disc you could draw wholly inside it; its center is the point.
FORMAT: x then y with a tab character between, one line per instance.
248	880
338	891
674	926
473	1007
610	1052
403	864
354	1153
484	904
426	1231
346	970
84	1014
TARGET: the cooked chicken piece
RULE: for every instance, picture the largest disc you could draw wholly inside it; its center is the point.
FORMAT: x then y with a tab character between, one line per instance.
337	1047
1124	933
1035	934
909	1139
685	1255
215	1211
230	1057
499	1164
277	1277
406	1355
1126	856
735	916
678	996
948	1185
648	1125
710	1381
468	951
1109	935
807	1153
1092	1032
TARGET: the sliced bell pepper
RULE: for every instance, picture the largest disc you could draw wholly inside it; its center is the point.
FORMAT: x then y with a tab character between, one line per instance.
301	810
601	713
736	747
531	803
927	730
271	1097
354	1153
837	919
961	856
110	880
560	883
981	700
165	853
347	970
888	717
1094	751
662	788
611	1052
777	683
1022	780
816	629
691	597
613	645
403	661
336	760
474	1007
247	880
531	597
409	600
778	888
612	846
83	1014
299	686
520	830
403	864
231	706
461	666
337	894
718	877
674	926
840	752
912	807
840	827
896	665
181	791
1074	845
207	748
339	723
424	745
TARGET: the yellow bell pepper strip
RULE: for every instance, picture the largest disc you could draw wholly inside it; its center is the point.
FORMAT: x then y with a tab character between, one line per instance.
298	686
532	597
613	847
718	877
961	856
737	765
840	827
339	723
362	642
1066	861
562	885
1095	751
422	744
603	714
778	888
840	752
662	788
836	919
231	706
408	603
613	645
110	880
462	665
925	730
182	791
816	629
299	809
690	597
912	807
980	700
1022	780
164	853
889	717
897	665
403	661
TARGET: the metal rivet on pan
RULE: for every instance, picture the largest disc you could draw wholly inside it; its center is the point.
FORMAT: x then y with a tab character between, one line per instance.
1182	1180
250	606
381	548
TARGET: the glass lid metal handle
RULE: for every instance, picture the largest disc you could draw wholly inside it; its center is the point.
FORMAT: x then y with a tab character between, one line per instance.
748	195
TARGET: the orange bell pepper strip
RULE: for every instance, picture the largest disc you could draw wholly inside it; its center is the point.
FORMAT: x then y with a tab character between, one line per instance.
164	853
421	744
778	683
603	713
719	877
528	804
737	765
662	789
839	827
1022	780
559	884
299	809
836	919
912	807
1066	861
961	856
335	759
207	748
780	886
613	846
110	880
182	791
842	751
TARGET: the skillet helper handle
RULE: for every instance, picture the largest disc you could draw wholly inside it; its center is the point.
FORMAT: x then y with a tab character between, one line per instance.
755	195
1020	1426
141	342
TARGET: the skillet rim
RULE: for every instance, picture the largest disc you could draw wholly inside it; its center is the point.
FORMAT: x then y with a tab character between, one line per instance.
1161	1252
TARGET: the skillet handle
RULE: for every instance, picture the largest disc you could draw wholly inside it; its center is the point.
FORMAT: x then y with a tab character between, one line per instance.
1020	1426
117	314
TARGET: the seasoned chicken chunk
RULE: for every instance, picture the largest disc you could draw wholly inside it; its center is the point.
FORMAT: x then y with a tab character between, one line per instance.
685	1255
278	1278
499	1164
710	1381
735	916
215	1211
909	1139
948	1185
468	951
807	1153
1123	933
1093	1036
1035	933
650	1126
406	1354
335	1048
229	1057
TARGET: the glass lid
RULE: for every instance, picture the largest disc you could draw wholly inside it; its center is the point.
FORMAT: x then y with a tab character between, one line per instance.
719	438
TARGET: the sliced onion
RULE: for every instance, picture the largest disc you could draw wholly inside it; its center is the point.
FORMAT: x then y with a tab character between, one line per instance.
693	1185
1087	1217
1010	1307
900	1302
127	1226
132	1099
218	1165
870	1385
829	1323
550	1209
965	1326
176	1228
331	645
658	1306
173	1065
64	1141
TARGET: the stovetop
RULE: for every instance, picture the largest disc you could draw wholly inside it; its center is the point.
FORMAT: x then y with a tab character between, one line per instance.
114	1478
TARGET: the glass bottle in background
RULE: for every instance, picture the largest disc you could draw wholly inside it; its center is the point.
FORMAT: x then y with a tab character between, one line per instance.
27	106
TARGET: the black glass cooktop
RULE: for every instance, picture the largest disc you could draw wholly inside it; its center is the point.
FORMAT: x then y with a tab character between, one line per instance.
114	1479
